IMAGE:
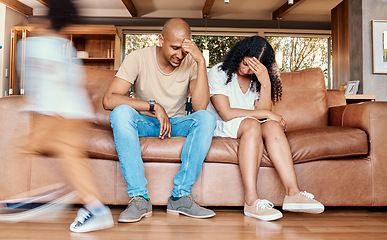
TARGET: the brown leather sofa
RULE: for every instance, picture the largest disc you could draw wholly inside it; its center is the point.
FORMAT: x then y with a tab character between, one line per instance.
339	151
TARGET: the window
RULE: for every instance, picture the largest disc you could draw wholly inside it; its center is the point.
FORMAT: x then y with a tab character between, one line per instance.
138	41
299	52
303	52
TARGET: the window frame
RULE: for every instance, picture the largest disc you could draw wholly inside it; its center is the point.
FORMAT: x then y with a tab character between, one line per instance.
243	33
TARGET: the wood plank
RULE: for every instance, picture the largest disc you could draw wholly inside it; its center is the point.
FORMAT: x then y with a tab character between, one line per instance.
44	2
229	223
207	7
18	6
131	7
285	9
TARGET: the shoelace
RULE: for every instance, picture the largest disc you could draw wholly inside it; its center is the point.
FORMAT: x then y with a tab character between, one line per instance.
262	204
136	200
82	216
191	198
308	195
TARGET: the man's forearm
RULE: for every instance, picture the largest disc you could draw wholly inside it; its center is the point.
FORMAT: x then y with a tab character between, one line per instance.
201	93
115	100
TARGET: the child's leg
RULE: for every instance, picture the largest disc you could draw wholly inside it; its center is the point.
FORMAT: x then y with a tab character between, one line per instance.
69	147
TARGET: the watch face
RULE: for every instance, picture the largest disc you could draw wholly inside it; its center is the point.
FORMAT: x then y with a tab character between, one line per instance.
152	105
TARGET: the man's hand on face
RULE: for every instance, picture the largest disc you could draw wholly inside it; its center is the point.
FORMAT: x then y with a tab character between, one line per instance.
190	47
165	125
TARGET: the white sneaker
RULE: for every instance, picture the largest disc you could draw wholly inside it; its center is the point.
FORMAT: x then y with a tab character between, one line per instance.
302	202
87	222
262	210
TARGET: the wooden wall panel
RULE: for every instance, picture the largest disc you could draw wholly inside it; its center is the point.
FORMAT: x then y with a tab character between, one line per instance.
340	44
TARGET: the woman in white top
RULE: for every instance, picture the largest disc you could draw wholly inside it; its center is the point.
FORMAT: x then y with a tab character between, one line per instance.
243	89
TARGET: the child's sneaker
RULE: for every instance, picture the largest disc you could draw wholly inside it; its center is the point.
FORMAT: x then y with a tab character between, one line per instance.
263	210
28	210
87	222
302	202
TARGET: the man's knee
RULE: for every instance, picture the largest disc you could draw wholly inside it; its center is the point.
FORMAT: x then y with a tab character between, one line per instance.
122	112
206	118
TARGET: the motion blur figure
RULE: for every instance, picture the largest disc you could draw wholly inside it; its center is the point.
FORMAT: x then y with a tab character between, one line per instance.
60	108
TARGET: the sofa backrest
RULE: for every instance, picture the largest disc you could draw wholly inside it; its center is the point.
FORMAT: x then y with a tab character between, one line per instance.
303	104
304	101
97	81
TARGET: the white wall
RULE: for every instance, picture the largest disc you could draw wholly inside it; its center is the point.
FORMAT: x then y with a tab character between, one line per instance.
373	83
8	19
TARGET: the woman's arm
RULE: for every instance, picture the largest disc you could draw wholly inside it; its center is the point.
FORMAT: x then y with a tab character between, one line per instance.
222	106
262	74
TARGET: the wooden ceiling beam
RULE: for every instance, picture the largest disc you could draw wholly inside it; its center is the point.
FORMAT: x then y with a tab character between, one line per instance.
207	7
44	2
131	7
18	6
285	9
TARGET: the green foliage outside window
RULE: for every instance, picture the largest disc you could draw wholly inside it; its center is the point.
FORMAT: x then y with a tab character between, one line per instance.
298	52
138	41
217	45
302	52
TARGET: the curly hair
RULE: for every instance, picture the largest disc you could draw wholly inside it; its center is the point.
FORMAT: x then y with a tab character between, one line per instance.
260	48
62	13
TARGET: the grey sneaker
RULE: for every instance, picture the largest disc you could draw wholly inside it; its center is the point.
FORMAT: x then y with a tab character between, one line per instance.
138	208
187	206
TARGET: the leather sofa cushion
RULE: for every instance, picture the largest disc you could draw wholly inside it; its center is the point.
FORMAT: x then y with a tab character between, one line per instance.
306	145
327	142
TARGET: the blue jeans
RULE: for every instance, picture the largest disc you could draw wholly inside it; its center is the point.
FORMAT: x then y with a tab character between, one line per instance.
128	125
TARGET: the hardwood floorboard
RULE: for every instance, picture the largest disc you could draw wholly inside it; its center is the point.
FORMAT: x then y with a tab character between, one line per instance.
229	223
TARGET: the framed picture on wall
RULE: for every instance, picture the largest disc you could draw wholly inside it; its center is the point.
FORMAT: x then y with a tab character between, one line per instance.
379	46
352	87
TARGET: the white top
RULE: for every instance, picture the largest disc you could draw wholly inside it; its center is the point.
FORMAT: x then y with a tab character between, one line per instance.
217	84
53	79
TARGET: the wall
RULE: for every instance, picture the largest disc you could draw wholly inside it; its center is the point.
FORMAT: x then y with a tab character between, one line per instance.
2	26
8	19
373	83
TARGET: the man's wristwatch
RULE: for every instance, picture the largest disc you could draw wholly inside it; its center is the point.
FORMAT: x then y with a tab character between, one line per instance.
152	105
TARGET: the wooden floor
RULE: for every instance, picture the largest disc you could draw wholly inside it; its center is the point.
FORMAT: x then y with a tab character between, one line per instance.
229	223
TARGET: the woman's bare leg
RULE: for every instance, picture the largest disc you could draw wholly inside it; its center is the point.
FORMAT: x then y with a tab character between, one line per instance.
278	148
249	156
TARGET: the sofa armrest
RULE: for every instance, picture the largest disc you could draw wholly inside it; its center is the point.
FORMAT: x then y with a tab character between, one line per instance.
335	98
12	120
372	118
14	128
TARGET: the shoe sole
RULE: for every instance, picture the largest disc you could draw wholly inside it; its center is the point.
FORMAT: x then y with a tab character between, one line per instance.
265	218
148	214
175	212
100	227
311	208
107	223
